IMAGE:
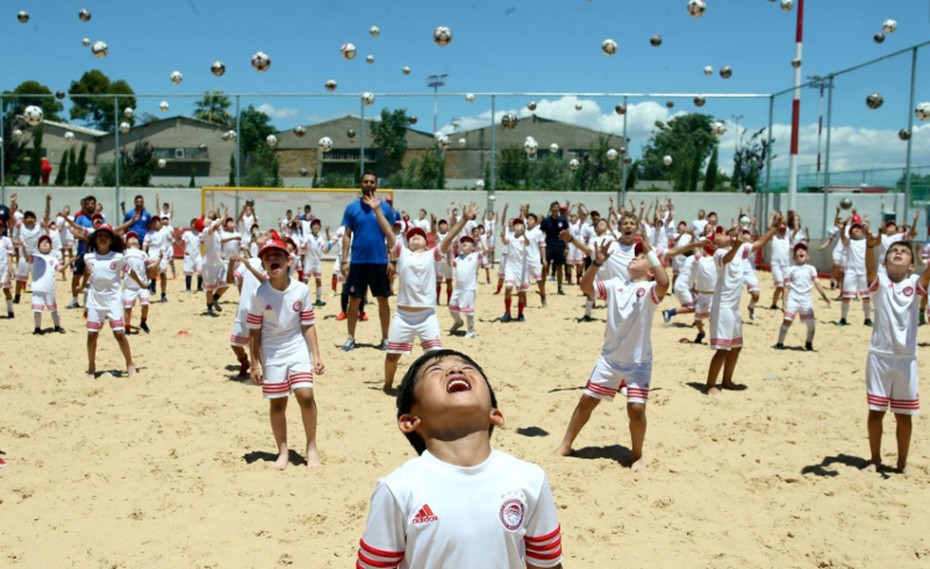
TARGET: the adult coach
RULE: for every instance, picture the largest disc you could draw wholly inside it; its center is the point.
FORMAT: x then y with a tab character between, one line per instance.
141	223
552	226
366	267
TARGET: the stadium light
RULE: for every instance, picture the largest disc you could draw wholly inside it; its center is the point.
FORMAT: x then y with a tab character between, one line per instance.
436	81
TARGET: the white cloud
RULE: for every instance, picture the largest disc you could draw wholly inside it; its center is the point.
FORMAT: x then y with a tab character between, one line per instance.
274	113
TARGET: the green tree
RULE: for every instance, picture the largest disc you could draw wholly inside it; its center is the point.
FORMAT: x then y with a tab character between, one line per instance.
96	111
406	178
35	157
214	108
61	178
512	168
232	171
432	173
81	165
390	135
688	139
32	93
73	177
750	159
254	127
710	176
632	174
136	165
596	172
548	173
106	174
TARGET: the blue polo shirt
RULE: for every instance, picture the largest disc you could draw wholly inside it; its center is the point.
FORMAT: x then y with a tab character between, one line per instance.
85	222
141	226
368	243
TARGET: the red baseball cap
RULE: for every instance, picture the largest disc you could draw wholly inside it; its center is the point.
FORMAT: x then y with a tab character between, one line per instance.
517	220
801	245
270	245
131	234
44	238
467	239
96	216
415	231
105	227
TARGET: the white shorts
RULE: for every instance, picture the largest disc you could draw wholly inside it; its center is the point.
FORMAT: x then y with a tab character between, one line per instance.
5	280
240	334
685	297
407	325
778	272
131	295
283	379
443	271
23	270
96	316
892	382
534	271
67	244
726	329
606	379
795	307
193	265
853	282
500	267
703	305
313	268
751	280
42	300
574	256
153	261
212	274
516	276
462	301
838	258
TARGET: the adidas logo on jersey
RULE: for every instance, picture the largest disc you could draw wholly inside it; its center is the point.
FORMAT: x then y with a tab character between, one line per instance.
425	516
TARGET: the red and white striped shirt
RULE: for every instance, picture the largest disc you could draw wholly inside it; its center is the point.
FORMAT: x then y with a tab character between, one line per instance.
897	307
281	316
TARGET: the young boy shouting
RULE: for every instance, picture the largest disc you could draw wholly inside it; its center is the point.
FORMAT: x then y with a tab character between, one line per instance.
282	338
460	503
800	279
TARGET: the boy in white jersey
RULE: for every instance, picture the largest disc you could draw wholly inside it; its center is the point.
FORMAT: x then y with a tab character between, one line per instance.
799	281
780	261
891	367
284	349
6	268
465	265
416	266
726	324
213	272
891	233
460	504
313	248
833	237
26	235
131	291
44	266
626	357
535	253
193	258
854	275
247	274
66	235
157	245
443	264
516	273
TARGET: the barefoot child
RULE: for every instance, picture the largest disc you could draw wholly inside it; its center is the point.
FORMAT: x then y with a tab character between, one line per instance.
626	357
460	503
282	339
891	367
44	266
800	279
247	274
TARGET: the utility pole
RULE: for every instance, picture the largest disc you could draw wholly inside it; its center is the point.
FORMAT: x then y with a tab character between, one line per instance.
436	81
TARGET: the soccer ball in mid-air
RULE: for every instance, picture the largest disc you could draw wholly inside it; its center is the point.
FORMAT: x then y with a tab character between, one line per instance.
348	50
304	171
164	106
368	99
620	109
726	71
479	185
375	31
879	37
612	154
162	162
609	47
530	146
874	100
261	61
438	135
904	134
33	115
696	8
176	77
69	135
406	70
922	111
23	16
708	70
412	119
299	131
60	94
846	203
350	133
330	85
787	5
443	142
553	148
230	136
699	101
442	35
84	15
670	103
99	49
796	62
719	128
531	105
890	26
326	144
202	147
128	112
509	120
578	106
462	142
573	164
469	97
370	58
655	40
17	134
218	68
271	140
667	160
85	42
124	127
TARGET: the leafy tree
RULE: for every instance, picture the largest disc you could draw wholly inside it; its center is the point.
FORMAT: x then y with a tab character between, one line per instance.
548	173
35	157
254	127
390	135
335	180
432	173
512	168
263	170
32	93
710	176
406	178
136	165
596	172
214	108
750	159
688	139
232	171
632	174
81	165
106	174
100	112
72	177
61	178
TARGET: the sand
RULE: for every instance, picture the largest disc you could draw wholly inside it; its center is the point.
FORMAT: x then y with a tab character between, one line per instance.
171	469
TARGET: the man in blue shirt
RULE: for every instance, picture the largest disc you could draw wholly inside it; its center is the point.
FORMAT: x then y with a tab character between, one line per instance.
84	219
366	266
141	224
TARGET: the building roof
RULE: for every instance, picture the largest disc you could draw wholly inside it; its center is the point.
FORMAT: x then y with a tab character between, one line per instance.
75	128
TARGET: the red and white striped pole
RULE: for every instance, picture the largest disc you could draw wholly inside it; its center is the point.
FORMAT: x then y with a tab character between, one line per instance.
795	115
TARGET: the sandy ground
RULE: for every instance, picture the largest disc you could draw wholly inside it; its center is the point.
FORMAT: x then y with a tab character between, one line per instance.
172	469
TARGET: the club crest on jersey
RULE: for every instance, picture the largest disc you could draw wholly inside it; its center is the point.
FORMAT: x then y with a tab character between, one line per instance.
511	514
908	291
113	266
297	306
641	292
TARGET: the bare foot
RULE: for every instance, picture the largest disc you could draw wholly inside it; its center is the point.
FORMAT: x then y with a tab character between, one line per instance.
313	459
131	371
281	463
733	386
872	467
638	464
712	391
562	451
91	374
903	469
389	390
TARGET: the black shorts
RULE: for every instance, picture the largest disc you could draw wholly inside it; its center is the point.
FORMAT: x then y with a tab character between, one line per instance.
368	276
79	266
555	256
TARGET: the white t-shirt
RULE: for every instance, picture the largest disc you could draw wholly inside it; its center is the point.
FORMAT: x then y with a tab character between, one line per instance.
679	259
630	307
29	237
515	252
281	316
43	272
105	272
6	250
466	270
729	289
855	256
897	307
801	280
705	272
416	276
230	248
537	239
781	248
156	243
245	225
698	226
429	514
248	284
620	257
686	275
64	230
211	243
136	260
191	241
313	246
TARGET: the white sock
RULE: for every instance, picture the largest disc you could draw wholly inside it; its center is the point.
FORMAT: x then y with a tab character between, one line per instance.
471	322
456	316
867	309
319	293
588	305
782	332
9	305
844	310
37	317
811	324
56	320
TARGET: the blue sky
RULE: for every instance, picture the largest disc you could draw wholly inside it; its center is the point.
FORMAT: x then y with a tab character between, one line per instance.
516	46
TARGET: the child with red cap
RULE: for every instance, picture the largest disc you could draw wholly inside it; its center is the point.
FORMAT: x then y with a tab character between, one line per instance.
44	266
466	265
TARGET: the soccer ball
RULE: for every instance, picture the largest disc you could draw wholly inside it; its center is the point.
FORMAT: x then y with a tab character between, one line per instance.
719	128
609	46
272	140
299	131
326	144
530	146
23	16
553	148
124	127
726	71
531	105
904	134
708	70
17	134
218	68
128	112
627	160
69	135
879	37
84	15
406	70
375	31
612	154
330	85
350	133
99	49
874	100
442	35
699	101
230	136
368	99
846	203
479	185
437	135
85	42
509	121
462	142
795	63
33	115
578	106
696	8
60	94
164	106
620	109
469	98
443	142
202	148
667	160
162	162
890	26
922	112
261	61
655	40
304	171
370	58
176	77
412	119
348	50
787	5
573	164
670	103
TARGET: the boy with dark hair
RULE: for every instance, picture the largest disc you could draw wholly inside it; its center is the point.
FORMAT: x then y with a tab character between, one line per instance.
460	503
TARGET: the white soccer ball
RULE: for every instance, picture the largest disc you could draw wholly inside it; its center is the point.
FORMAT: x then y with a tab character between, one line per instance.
412	119
299	131
370	58
368	99
304	171
904	134
202	147
620	109
670	103
696	8
655	40
846	203
609	46
33	115
890	26
85	42
531	105
406	70
874	100
99	49
530	146
719	128
164	106
124	127
23	16
699	101
795	63
442	35
162	162
553	148
479	185
469	97
218	68
787	5
578	106
176	77
260	61
438	135
612	154
462	142
326	144
443	142
922	111
879	37
84	15
330	85
708	70
375	31
573	164
230	135
128	112
509	120
726	71
272	140
69	135
667	160
348	50
17	134
350	133
60	94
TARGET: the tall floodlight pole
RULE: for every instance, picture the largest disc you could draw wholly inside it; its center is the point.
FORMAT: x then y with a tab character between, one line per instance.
2	155
822	84
737	139
491	171
626	144
116	148
361	140
795	114
436	81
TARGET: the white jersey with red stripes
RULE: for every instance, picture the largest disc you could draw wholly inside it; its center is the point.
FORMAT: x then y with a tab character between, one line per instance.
855	256
897	307
429	514
630	308
43	272
705	272
466	270
729	288
801	279
416	276
136	259
248	284
105	273
281	316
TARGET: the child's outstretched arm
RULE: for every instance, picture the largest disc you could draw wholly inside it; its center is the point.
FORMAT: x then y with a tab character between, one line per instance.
48	210
468	212
374	203
773	227
566	235
871	266
661	275
601	254
912	231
